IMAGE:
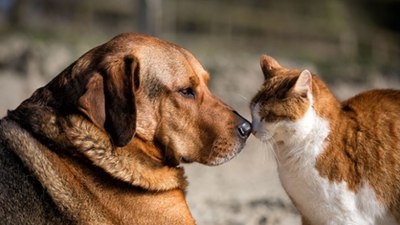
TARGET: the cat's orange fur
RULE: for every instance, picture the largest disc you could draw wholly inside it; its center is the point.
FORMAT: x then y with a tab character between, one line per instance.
361	150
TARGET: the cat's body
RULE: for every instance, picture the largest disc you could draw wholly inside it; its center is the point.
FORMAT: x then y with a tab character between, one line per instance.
338	162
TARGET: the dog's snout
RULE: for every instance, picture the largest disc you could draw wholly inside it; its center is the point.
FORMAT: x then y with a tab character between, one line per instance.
244	128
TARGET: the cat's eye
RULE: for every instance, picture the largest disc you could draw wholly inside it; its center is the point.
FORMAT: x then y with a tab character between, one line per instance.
269	116
187	93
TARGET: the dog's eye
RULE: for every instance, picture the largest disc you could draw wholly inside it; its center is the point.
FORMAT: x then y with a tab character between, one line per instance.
187	93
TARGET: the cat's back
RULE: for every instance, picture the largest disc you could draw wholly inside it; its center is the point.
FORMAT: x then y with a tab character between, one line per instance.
375	117
374	105
370	133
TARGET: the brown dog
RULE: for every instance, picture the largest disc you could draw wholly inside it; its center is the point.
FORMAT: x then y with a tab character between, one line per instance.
101	143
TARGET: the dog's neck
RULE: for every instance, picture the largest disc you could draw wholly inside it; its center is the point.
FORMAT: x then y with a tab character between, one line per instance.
44	164
87	193
138	163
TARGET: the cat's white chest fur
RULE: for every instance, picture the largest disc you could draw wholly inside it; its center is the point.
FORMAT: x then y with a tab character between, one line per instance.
297	146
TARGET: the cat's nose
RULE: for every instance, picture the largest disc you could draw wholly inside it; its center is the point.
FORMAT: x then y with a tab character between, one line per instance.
254	125
244	127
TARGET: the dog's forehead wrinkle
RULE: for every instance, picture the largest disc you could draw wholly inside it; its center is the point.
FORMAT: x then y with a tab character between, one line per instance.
193	66
194	80
153	87
174	67
200	75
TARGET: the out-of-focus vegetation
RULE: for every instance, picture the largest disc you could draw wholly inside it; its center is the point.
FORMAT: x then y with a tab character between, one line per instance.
350	40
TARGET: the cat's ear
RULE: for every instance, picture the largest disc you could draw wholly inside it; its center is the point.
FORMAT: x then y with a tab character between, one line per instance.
268	65
303	84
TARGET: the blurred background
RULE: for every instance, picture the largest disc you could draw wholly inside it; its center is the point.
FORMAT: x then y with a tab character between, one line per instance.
352	45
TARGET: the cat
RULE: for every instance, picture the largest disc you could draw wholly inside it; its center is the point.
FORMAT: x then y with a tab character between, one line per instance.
339	162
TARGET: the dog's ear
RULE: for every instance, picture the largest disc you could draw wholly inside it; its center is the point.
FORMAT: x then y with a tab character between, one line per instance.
92	102
109	99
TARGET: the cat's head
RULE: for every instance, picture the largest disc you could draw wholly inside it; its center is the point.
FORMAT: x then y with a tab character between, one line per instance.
283	106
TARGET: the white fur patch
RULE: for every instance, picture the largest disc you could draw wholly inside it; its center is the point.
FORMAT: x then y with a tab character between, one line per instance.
297	145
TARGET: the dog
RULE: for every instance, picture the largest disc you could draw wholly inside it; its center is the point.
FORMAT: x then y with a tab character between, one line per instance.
102	142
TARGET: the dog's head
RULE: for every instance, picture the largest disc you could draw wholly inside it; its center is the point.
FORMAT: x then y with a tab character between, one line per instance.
142	87
178	112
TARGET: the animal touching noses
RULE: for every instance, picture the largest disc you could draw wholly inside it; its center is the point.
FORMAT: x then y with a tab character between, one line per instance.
244	129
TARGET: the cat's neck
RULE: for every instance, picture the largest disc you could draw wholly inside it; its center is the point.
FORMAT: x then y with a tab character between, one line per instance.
306	141
326	105
308	135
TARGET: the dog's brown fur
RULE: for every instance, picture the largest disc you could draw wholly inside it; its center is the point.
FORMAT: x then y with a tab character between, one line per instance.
106	136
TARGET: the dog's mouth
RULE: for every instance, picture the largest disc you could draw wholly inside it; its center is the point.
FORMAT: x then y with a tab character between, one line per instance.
223	153
186	160
222	148
218	154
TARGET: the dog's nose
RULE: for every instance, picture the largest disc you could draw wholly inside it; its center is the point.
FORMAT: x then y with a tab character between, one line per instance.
244	127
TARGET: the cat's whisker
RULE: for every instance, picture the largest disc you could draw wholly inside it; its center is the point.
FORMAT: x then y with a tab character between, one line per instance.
264	148
274	147
243	97
269	150
293	157
297	154
270	145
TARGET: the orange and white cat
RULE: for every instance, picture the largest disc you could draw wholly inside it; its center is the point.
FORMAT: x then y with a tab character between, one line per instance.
338	161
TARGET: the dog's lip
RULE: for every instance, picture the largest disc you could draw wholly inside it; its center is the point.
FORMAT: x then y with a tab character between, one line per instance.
186	160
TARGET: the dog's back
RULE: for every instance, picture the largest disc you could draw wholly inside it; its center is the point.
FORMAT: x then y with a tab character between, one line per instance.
23	200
